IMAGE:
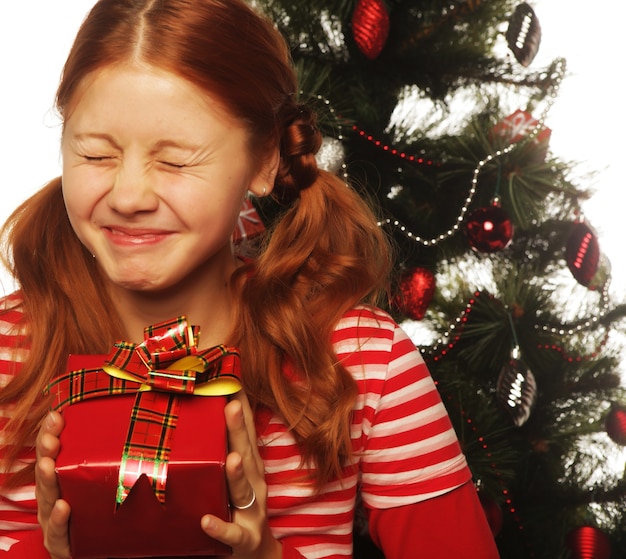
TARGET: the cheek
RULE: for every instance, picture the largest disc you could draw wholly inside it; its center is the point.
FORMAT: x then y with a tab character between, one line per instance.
82	189
74	202
80	203
215	200
208	219
69	195
213	218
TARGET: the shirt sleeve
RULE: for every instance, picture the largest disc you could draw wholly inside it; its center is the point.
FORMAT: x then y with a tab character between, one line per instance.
411	452
450	525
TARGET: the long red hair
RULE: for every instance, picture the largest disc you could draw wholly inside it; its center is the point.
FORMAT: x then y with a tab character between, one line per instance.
325	255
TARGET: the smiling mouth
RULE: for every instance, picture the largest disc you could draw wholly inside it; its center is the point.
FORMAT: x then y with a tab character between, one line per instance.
135	236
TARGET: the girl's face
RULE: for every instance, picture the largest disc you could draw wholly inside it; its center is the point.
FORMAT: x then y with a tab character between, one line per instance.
154	175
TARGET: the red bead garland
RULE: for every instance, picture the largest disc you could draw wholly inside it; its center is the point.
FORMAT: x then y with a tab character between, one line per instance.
391	150
436	353
508	501
578	358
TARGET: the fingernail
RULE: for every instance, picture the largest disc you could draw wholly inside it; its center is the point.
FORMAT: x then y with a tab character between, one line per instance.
51	420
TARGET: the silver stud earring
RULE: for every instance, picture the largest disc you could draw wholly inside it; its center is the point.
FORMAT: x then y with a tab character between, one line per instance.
251	193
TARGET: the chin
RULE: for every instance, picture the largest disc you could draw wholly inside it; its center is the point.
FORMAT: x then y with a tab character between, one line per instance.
138	280
139	284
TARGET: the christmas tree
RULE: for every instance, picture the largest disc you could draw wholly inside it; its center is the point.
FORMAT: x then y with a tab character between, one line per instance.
435	111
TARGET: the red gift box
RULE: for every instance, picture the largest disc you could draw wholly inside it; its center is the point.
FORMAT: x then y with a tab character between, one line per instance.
159	513
517	127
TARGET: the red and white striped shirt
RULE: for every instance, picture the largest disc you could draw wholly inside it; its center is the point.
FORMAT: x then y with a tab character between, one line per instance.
405	449
18	508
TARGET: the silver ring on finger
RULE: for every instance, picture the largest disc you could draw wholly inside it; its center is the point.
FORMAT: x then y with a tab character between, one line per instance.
248	505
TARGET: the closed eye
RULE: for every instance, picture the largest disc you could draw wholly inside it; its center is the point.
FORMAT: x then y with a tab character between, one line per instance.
95	158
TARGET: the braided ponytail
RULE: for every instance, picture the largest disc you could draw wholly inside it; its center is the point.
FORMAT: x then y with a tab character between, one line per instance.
300	141
325	255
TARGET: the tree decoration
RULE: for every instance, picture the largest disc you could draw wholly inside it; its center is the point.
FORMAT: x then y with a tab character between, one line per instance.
419	159
489	229
331	155
582	253
370	27
387	158
516	390
524	34
615	424
602	277
417	287
453	333
559	73
249	224
520	126
574	358
588	542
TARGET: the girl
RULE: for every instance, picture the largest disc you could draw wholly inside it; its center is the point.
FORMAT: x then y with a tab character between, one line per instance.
173	111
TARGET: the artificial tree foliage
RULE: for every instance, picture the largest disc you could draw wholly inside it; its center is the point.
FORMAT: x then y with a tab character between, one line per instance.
440	118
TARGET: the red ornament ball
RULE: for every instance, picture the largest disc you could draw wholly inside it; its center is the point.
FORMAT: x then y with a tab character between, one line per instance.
588	542
370	27
615	424
582	253
489	229
417	287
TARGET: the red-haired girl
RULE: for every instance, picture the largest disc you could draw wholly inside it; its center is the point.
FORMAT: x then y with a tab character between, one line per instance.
174	111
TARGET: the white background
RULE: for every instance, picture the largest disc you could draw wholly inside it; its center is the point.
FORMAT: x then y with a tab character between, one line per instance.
587	119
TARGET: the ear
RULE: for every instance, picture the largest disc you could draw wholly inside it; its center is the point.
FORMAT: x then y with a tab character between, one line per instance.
262	183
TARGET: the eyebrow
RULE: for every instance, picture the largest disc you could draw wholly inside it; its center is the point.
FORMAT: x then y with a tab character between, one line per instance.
96	136
161	144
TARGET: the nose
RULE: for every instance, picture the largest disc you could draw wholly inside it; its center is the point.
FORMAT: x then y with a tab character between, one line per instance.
132	191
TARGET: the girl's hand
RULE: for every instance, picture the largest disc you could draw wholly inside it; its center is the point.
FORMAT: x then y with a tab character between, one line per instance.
52	512
248	534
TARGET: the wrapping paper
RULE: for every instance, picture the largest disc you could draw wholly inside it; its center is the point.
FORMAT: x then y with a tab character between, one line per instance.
142	453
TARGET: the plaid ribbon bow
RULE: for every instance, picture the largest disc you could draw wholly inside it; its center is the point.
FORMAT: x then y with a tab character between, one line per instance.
166	365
